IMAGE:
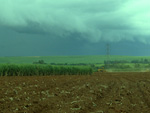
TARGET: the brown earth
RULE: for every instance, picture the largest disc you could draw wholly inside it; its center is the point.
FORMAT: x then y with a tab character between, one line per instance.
99	93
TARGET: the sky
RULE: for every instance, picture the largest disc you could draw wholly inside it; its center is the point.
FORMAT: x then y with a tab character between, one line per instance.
74	27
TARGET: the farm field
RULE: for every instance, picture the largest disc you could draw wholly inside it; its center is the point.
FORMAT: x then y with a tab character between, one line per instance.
67	59
111	92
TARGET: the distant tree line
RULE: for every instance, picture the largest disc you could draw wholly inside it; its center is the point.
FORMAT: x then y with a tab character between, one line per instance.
141	61
70	64
39	62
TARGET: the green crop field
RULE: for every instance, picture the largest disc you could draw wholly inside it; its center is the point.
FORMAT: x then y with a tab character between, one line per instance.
67	59
10	66
35	69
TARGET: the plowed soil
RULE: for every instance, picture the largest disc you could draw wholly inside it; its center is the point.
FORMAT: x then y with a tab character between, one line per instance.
99	93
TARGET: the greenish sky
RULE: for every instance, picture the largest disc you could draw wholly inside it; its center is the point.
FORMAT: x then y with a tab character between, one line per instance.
74	27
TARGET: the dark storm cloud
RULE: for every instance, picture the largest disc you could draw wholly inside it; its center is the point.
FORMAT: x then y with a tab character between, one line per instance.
93	20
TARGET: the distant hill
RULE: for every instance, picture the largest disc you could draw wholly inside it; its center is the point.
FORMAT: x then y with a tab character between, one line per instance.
67	59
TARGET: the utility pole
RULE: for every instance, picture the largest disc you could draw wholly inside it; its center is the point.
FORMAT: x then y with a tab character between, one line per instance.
107	55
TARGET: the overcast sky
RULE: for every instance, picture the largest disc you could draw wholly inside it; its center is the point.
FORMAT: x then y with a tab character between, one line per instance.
74	27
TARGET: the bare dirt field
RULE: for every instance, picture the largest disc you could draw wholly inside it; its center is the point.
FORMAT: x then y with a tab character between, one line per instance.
99	93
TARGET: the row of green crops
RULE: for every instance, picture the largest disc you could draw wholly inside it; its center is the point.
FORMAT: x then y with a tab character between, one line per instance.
34	69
